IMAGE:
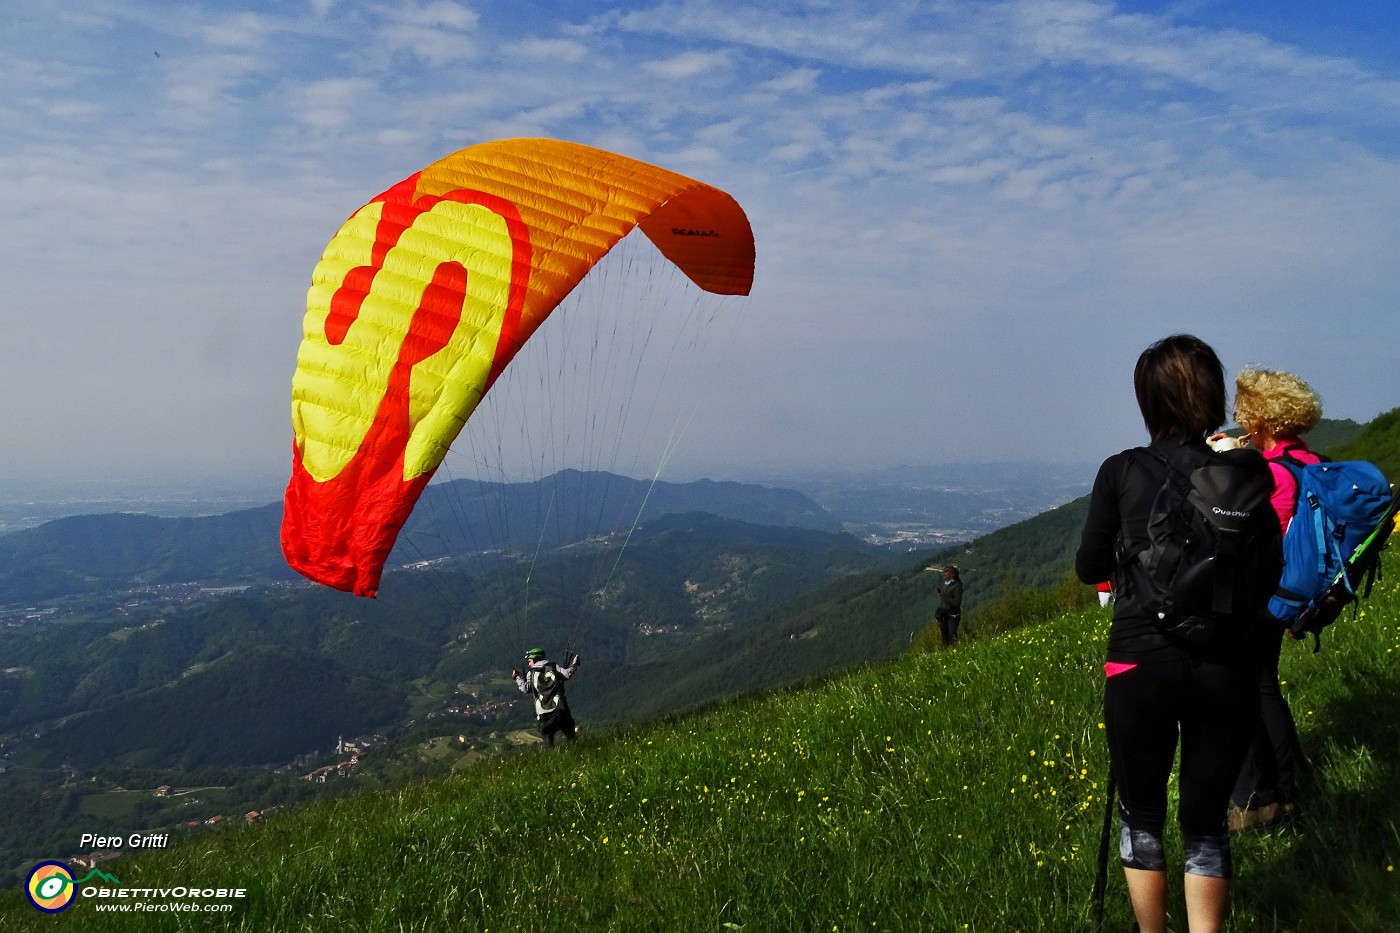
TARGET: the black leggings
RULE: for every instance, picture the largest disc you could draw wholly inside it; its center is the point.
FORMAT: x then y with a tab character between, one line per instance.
1268	775
948	626
1212	708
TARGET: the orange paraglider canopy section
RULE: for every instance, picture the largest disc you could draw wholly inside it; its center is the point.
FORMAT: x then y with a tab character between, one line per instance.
423	297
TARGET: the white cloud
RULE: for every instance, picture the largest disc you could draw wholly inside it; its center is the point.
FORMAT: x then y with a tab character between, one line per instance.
333	103
23	73
441	13
436	33
209	81
237	30
688	65
794	81
569	51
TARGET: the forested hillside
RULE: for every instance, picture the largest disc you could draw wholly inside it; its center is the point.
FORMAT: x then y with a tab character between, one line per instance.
94	554
1378	441
212	683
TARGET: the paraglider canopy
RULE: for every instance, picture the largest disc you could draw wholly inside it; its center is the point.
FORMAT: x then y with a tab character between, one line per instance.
427	292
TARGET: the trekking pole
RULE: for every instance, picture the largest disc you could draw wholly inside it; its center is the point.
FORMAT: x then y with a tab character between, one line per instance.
1101	878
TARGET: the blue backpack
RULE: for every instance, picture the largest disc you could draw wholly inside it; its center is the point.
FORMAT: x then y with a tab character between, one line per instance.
1340	507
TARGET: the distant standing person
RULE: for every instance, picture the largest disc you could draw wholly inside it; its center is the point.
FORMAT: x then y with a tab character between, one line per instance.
1275	408
1105	593
544	680
949	611
1161	692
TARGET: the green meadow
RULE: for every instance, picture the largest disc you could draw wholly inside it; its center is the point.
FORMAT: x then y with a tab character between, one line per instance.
945	791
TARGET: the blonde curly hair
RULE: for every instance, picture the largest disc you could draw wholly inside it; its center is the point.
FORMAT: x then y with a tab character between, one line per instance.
1276	401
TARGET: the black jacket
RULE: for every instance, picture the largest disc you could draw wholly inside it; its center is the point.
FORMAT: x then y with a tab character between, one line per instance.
950	597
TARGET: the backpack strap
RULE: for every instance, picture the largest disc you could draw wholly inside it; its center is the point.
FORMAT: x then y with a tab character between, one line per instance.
1286	456
1138	457
1286	459
1174	474
1295	468
1301	497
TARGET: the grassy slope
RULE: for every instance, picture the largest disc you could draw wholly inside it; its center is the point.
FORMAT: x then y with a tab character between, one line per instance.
946	791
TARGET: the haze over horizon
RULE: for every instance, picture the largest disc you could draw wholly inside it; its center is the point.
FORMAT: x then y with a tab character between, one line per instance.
970	219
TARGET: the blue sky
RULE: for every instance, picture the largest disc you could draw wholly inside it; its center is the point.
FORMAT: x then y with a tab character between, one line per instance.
970	217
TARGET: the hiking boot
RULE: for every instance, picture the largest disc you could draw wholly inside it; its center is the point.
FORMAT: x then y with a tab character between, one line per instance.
1264	816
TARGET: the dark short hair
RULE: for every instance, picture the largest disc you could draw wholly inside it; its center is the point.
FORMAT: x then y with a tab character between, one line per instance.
1180	387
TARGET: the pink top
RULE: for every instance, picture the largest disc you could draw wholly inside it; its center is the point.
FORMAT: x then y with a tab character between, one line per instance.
1285	495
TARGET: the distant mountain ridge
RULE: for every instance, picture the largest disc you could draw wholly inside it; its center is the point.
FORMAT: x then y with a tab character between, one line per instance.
110	553
90	554
572	505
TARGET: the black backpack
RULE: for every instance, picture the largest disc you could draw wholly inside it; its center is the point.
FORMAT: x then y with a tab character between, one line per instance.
1213	552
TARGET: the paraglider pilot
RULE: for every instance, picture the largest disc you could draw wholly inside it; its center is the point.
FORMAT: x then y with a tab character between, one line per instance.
544	680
